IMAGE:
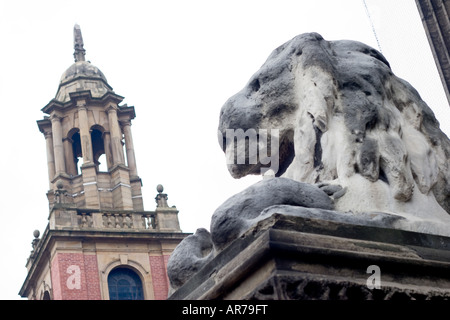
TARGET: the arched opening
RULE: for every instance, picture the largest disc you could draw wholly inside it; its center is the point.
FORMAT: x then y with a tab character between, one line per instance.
74	135
125	284
98	148
46	296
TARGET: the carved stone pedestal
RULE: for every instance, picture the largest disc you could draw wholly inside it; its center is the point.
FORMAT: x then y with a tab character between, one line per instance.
286	257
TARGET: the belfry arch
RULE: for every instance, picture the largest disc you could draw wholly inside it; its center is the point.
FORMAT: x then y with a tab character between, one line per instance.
98	148
74	159
74	153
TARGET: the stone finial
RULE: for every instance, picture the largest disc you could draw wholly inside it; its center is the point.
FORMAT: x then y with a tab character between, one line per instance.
35	241
78	44
60	192
36	234
161	198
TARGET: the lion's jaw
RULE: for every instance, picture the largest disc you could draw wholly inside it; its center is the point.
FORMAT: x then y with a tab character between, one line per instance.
254	151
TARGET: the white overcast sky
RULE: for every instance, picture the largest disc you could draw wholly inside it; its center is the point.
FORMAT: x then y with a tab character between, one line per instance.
177	62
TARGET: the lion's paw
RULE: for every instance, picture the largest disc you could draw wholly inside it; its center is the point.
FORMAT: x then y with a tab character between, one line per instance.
334	191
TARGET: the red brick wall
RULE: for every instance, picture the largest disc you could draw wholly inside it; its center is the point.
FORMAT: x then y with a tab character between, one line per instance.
55	276
92	277
158	265
75	277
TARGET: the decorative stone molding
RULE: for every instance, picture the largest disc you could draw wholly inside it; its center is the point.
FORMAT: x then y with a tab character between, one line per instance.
291	287
304	258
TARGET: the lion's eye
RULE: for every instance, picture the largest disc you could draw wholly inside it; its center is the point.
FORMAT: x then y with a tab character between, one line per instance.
254	85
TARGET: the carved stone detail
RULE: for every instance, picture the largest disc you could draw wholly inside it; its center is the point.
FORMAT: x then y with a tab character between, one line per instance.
290	287
117	220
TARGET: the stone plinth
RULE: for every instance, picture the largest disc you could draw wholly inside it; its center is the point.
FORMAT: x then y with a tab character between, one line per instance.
286	257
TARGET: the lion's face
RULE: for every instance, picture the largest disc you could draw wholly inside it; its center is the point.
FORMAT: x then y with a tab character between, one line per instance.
341	116
267	102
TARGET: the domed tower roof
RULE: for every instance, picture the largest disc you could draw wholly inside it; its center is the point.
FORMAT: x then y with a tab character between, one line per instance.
82	75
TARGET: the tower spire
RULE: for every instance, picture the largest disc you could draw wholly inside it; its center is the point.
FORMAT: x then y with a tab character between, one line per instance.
78	44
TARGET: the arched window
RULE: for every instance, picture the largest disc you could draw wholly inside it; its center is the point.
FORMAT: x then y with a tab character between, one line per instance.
46	296
77	152
98	148
125	284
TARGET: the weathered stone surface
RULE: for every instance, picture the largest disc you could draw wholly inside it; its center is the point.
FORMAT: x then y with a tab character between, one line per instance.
237	214
192	254
343	116
299	287
357	146
287	257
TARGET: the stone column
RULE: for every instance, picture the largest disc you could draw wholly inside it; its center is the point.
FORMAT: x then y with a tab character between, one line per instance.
68	153
116	136
131	158
107	145
58	148
50	157
85	136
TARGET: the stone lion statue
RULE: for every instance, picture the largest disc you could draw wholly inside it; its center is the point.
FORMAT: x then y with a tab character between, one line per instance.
344	117
353	140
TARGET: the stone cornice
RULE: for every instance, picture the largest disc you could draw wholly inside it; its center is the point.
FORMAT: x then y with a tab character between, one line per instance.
84	78
55	105
126	112
44	125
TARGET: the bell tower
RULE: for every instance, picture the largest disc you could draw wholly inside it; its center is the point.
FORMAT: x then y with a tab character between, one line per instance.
85	125
98	231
